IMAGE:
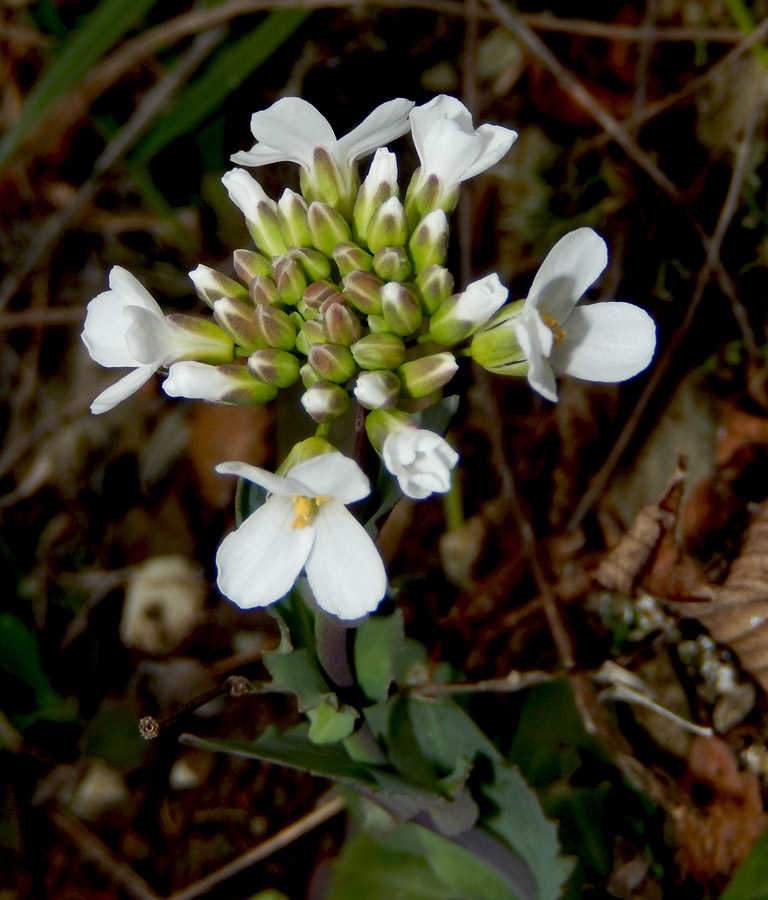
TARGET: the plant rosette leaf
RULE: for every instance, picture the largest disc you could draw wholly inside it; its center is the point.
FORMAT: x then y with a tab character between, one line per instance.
378	644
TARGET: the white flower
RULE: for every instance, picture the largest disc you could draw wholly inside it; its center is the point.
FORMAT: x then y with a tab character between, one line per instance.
609	341
420	460
125	328
292	130
451	150
304	525
231	384
462	314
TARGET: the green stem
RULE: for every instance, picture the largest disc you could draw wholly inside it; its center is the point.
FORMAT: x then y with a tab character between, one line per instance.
323	429
453	505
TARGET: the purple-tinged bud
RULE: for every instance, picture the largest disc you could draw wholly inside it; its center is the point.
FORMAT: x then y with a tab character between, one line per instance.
388	226
289	279
351	258
325	402
379	351
428	245
259	210
292	219
421	377
230	384
316	266
263	290
318	292
196	338
327	227
249	264
379	185
426	194
392	264
400	308
364	290
211	286
327	181
275	328
377	390
332	362
311	332
340	322
433	286
236	318
462	314
277	367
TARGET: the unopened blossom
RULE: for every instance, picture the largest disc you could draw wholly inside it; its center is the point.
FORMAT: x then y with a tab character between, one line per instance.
292	130
231	384
420	460
462	314
450	151
608	342
304	524
125	328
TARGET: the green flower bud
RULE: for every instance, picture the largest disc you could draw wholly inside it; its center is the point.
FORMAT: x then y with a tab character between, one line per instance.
388	226
311	332
425	195
462	314
351	258
236	318
364	290
211	286
379	185
377	390
327	227
202	340
421	377
292	219
392	264
325	402
249	264
401	308
340	322
495	346
304	450
275	328
377	324
277	367
333	362
328	183
379	351
433	286
259	210
318	292
316	266
381	422
428	245
263	290
309	375
289	278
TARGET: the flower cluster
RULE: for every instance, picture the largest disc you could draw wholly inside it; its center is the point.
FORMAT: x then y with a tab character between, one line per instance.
346	290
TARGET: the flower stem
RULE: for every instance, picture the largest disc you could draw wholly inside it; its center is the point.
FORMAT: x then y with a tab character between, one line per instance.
453	506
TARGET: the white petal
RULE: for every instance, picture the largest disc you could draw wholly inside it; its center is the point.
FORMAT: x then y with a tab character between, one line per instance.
331	475
609	341
448	152
431	115
122	389
246	193
344	568
104	331
495	141
384	124
288	131
540	375
260	562
132	290
275	484
149	337
569	269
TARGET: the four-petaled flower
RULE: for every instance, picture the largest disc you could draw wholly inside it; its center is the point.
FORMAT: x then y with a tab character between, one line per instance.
450	151
420	460
304	525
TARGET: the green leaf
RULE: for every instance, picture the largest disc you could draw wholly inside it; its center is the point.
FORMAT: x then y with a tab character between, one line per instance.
100	31
329	724
229	69
378	644
751	879
19	655
297	673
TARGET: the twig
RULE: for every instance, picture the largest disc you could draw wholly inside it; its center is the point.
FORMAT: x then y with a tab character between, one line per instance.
511	683
713	246
10	738
41	318
293	832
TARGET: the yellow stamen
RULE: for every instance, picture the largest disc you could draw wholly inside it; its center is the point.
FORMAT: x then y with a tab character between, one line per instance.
552	325
305	509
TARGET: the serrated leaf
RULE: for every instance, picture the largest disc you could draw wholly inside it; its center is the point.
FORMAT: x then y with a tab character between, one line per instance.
329	724
378	644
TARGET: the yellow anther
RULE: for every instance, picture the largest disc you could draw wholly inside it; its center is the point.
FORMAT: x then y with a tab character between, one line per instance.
552	325
304	509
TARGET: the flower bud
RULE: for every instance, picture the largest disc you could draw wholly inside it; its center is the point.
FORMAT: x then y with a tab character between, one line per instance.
230	384
236	318
351	258
392	264
495	346
377	324
332	362
311	332
364	290
259	210
381	423
309	375
433	286
427	194
292	219
379	185
318	292
324	401
379	351
304	450
263	290
249	264
462	314
400	308
428	245
316	266
211	286
327	227
330	183
197	339
421	377
275	328
388	226
340	322
277	367
289	278
377	390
